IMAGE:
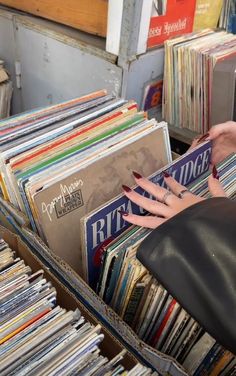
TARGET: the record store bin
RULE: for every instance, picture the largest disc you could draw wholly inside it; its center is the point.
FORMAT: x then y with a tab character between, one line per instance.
49	63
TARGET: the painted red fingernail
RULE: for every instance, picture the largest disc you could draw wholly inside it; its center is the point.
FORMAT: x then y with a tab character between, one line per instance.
203	138
165	173
215	173
124	213
137	175
126	188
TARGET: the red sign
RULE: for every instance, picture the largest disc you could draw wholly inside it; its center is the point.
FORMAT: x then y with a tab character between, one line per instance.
176	19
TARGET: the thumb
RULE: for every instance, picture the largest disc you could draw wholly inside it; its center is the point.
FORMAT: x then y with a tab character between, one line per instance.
215	187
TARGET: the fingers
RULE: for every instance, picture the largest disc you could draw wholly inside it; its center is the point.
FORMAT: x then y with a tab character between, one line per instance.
153	189
174	204
151	206
175	187
215	187
145	221
195	143
216	131
198	140
219	129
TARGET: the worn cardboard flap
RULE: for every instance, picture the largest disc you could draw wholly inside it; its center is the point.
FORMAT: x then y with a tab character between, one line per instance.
3	75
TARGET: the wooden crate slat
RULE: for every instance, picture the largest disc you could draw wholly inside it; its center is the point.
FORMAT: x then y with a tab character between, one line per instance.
89	16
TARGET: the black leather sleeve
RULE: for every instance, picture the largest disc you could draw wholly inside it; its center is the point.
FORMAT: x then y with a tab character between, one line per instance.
193	255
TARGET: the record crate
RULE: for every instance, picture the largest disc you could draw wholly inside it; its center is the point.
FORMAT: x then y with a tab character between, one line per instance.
110	346
74	292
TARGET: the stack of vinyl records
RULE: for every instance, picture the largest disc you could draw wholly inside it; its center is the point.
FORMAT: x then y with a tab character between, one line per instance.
60	162
38	337
64	166
145	305
5	92
228	16
190	63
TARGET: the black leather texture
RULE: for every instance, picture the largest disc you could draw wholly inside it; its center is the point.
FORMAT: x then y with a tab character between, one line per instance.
193	255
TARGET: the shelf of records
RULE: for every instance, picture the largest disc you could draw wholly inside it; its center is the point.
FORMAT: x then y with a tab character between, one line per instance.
199	80
6	90
63	166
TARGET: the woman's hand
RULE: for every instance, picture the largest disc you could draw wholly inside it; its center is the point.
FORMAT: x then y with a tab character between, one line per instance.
167	203
223	137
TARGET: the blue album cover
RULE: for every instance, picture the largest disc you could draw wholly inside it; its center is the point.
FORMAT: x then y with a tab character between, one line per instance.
107	222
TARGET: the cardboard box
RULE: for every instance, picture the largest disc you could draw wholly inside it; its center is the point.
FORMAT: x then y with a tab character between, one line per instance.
74	292
109	346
